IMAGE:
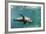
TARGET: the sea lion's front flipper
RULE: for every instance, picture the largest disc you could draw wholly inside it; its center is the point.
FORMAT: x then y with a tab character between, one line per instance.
24	22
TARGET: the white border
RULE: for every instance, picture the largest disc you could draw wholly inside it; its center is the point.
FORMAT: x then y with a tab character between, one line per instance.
23	29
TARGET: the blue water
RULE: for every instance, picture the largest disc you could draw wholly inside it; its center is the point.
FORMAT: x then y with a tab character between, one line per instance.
34	13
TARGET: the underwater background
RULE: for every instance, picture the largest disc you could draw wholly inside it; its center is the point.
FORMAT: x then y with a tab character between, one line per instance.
33	12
